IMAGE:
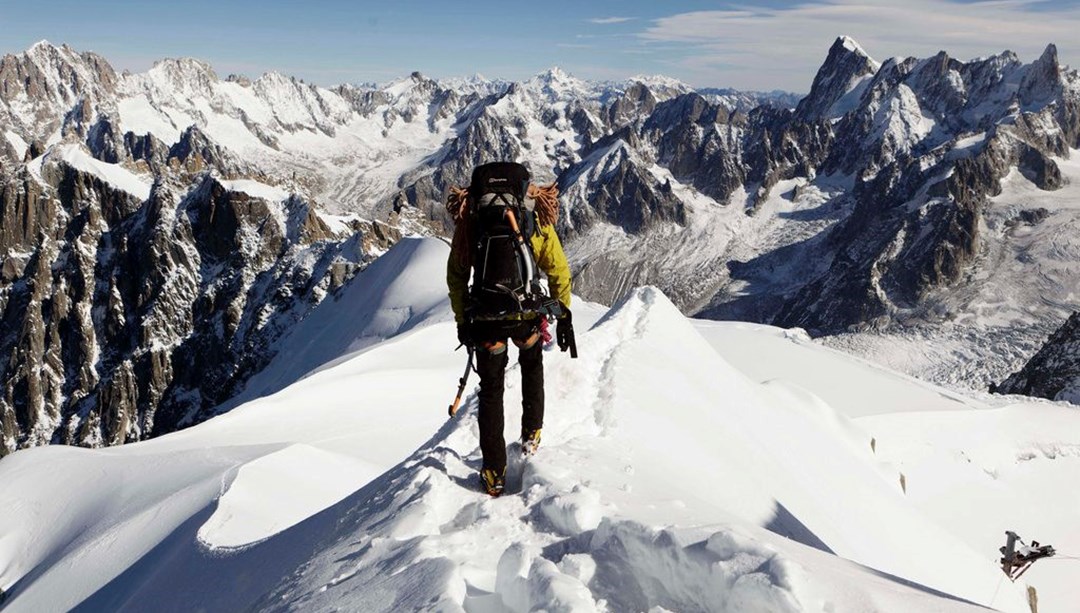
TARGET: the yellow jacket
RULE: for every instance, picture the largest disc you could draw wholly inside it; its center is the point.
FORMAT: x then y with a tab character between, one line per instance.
549	258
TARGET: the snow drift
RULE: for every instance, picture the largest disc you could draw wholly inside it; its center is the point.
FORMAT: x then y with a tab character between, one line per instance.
685	466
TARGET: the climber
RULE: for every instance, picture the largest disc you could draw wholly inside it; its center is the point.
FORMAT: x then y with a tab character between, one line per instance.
504	232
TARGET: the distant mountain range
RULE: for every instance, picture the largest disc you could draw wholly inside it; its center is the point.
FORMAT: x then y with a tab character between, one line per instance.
159	231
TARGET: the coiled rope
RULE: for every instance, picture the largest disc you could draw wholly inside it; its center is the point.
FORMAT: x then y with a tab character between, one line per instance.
457	202
545	196
547	202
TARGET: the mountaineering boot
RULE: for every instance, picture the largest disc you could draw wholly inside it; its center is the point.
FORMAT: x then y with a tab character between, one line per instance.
530	441
492	481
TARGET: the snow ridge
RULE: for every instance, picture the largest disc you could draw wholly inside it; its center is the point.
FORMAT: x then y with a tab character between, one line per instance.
604	518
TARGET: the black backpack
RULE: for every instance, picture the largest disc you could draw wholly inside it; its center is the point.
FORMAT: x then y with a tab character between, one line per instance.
505	276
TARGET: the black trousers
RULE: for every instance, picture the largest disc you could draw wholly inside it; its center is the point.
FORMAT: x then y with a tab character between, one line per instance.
492	357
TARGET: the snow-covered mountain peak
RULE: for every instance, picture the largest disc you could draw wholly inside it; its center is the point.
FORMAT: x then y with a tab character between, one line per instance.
44	53
853	46
554	74
416	82
60	67
187	77
274	78
41	45
557	85
184	69
662	87
40	86
277	90
475	84
839	82
659	80
1043	81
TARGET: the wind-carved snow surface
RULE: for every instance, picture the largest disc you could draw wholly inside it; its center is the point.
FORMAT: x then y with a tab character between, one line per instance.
685	466
113	174
17	142
393	295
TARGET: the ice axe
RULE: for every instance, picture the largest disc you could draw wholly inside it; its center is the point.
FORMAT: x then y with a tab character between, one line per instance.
461	385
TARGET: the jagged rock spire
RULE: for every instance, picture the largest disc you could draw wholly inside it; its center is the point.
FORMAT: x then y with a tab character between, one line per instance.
1042	80
844	67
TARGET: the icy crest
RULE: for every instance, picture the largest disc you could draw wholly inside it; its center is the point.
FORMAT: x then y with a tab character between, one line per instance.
852	45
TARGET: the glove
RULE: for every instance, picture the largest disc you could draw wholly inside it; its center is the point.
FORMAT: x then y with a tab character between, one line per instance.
465	334
564	333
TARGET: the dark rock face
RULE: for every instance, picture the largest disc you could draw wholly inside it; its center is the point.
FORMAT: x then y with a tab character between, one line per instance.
125	319
1053	372
636	101
55	77
778	146
699	142
194	153
627	197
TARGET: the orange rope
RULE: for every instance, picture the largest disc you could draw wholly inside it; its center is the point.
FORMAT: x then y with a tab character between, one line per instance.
546	198
547	202
457	202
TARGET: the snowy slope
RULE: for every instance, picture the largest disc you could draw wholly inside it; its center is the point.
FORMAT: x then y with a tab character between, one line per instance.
685	465
393	296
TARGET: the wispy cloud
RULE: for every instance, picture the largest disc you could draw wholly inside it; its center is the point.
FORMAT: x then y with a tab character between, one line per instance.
764	48
610	20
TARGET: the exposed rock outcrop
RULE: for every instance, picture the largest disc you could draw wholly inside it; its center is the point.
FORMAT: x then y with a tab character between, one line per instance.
124	319
1053	372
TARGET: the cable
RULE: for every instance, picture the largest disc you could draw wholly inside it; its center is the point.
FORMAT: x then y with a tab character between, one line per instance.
1000	581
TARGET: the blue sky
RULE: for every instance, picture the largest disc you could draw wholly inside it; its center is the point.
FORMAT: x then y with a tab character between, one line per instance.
761	45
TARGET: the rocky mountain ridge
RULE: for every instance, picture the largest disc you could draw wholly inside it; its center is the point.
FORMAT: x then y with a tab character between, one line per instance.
131	309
